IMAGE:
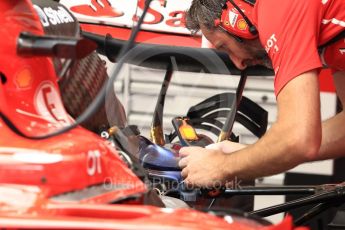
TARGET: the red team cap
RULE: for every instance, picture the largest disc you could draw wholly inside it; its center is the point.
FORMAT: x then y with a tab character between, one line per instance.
233	22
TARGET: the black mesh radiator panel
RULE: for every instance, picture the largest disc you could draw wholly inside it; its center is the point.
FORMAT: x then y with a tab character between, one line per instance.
80	80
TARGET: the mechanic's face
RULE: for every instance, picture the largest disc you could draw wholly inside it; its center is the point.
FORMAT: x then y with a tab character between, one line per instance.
247	53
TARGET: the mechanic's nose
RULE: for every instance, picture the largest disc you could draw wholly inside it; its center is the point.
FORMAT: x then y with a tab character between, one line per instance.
238	62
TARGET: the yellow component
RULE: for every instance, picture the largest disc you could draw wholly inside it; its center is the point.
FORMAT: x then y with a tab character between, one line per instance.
157	136
187	132
241	24
222	137
113	130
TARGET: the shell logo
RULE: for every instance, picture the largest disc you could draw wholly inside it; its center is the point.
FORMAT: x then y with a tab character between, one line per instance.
24	79
241	24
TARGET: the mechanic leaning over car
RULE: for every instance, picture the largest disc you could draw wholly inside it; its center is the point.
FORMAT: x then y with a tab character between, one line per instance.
295	38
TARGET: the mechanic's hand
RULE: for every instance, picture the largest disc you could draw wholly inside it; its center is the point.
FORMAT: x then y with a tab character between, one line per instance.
226	146
204	168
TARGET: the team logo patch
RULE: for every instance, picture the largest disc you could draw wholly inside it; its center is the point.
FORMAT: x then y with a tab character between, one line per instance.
241	24
233	18
49	105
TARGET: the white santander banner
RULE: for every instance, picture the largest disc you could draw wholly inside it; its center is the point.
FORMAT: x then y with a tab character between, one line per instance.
163	15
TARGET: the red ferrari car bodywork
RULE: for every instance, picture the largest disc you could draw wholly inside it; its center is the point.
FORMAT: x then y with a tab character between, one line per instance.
70	181
30	100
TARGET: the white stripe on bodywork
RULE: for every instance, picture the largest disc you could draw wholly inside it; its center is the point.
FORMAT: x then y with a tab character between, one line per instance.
34	156
334	21
324	1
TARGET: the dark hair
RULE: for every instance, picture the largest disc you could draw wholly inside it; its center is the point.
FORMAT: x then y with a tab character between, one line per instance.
203	13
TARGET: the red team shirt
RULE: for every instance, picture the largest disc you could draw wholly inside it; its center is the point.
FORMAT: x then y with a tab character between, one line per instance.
292	30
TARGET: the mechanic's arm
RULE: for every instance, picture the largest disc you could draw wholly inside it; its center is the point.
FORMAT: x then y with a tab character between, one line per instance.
293	139
333	131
